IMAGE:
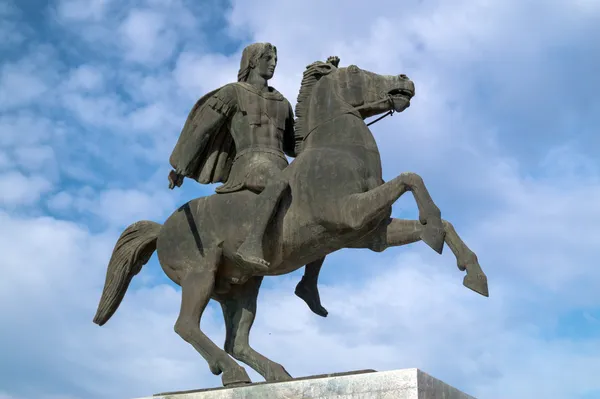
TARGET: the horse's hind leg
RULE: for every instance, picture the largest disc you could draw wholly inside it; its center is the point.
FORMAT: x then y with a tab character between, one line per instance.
356	210
196	289
239	310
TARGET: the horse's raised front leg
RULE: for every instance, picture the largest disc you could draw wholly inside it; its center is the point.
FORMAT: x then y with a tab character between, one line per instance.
196	290
308	290
356	210
398	232
466	260
239	310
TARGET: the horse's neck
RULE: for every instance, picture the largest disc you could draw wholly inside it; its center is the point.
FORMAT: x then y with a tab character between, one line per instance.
332	122
341	130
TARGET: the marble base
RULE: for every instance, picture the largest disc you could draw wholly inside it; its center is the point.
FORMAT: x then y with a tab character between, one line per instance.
365	384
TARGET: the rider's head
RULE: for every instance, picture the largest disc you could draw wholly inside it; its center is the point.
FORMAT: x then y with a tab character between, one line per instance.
260	58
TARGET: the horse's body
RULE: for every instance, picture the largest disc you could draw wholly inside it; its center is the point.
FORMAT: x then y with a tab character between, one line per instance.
298	235
336	199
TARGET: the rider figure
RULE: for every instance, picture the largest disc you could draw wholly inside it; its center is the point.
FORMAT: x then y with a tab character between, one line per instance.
238	135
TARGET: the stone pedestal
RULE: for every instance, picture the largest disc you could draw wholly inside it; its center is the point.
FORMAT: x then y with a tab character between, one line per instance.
366	384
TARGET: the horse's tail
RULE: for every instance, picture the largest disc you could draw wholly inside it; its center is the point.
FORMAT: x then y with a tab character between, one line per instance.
132	251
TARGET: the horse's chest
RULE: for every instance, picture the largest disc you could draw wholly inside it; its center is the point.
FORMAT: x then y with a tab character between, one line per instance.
371	162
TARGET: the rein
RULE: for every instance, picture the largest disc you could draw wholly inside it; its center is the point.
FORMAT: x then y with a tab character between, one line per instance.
390	113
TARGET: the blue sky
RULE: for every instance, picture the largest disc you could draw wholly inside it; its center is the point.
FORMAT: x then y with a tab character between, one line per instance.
504	131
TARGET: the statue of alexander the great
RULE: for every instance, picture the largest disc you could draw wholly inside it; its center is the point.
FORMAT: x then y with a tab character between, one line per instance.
239	135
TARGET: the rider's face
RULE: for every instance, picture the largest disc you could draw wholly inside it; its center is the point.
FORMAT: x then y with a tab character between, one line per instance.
266	64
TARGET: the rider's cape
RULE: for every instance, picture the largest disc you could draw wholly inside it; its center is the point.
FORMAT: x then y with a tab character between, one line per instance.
205	149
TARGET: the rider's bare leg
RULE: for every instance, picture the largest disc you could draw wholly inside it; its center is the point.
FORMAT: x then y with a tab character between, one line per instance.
250	255
308	290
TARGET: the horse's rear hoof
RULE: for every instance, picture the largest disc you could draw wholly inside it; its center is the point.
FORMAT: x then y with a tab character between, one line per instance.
478	283
434	237
278	373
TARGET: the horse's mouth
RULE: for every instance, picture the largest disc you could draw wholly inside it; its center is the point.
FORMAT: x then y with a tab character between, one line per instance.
401	98
407	94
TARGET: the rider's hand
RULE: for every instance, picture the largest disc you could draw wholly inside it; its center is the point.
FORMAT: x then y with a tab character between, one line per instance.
175	179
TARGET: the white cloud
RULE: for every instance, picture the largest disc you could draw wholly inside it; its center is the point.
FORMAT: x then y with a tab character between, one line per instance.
117	208
106	110
18	189
19	85
147	37
11	31
36	158
196	74
5	161
86	78
61	202
28	128
83	10
123	207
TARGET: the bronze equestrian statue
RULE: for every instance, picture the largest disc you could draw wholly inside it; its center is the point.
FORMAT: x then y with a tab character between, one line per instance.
334	198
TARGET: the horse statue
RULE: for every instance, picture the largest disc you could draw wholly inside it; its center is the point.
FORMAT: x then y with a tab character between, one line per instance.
336	199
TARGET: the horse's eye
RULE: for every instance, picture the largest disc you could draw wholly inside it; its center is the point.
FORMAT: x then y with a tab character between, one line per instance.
353	69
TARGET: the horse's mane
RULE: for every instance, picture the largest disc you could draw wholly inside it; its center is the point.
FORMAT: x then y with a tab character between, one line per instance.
310	77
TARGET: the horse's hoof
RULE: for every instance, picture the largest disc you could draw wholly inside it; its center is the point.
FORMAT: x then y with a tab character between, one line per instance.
237	384
235	377
477	282
279	374
434	237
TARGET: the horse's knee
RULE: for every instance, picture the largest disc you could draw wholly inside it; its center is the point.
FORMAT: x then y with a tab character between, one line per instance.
412	179
184	329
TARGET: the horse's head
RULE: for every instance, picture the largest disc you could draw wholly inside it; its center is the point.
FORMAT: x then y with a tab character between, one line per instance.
328	92
370	93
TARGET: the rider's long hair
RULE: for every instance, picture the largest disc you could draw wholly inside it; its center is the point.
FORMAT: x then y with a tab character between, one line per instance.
250	57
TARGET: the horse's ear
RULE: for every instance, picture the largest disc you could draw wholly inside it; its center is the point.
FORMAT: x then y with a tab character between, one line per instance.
334	60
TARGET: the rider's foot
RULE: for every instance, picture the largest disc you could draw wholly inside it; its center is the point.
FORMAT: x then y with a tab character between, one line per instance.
250	259
309	293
